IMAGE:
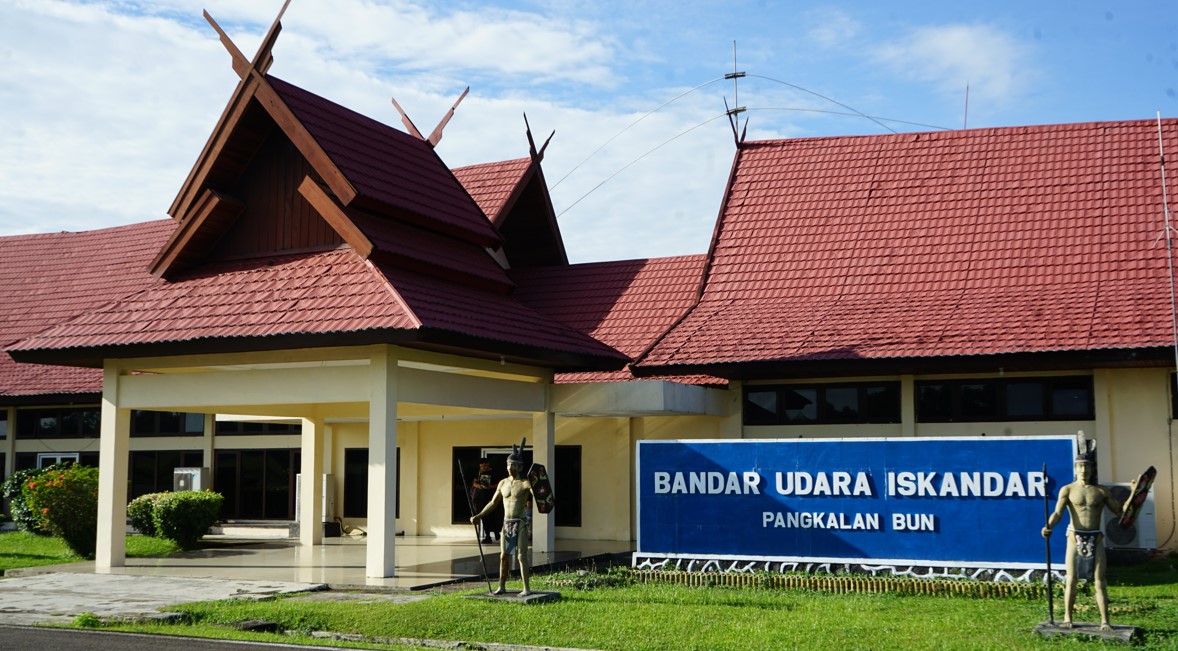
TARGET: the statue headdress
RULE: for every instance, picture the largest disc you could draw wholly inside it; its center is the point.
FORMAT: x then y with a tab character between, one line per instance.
1085	448
517	452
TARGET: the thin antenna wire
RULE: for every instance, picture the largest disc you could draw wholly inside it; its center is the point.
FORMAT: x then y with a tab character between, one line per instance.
1169	242
1173	304
833	101
615	136
627	165
877	117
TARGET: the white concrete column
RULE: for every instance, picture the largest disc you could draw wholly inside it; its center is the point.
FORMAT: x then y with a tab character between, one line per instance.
8	444
311	487
382	465
907	405
544	451
208	444
113	453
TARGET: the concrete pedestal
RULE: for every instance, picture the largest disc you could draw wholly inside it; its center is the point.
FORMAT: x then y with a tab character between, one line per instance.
515	597
1126	634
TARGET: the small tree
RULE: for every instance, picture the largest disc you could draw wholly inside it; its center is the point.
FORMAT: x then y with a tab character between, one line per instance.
13	490
65	501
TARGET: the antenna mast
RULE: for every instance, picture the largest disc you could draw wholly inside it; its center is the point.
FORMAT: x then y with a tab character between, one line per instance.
965	120
736	109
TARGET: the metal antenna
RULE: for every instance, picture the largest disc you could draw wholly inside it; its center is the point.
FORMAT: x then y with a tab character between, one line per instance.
965	120
736	109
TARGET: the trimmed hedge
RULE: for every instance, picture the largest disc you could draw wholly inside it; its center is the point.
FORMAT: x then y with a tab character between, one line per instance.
141	513
185	516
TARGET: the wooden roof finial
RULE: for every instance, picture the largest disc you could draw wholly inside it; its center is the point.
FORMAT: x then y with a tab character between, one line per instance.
264	57
536	155
435	136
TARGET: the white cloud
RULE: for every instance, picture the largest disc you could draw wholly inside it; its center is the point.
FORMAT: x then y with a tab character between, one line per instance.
997	66
106	107
832	28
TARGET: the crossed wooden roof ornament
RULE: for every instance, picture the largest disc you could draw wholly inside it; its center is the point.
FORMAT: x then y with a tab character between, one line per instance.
265	58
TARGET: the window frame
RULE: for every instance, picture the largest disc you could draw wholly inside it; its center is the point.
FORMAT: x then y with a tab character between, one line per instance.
866	412
999	388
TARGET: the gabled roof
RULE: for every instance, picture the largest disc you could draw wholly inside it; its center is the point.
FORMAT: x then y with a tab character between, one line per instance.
514	195
831	252
626	304
50	278
493	186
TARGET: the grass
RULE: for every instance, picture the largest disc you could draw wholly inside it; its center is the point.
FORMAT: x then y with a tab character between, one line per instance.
22	549
658	617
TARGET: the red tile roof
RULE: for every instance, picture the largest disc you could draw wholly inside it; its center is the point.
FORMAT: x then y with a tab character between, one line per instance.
388	167
492	184
625	304
331	293
961	243
47	279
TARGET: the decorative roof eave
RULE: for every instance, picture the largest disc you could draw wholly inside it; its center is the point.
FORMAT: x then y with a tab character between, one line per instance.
211	217
430	339
1038	361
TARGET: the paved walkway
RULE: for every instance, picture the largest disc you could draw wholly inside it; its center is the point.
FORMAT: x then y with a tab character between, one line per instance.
60	596
250	569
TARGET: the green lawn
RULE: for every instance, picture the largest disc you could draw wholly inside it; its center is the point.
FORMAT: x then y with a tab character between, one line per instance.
671	617
20	549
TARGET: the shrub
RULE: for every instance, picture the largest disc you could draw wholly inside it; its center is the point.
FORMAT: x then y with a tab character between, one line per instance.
141	513
185	516
13	490
66	503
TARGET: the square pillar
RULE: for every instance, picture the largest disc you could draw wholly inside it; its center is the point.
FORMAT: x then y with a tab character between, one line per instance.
380	561
311	487
544	451
113	454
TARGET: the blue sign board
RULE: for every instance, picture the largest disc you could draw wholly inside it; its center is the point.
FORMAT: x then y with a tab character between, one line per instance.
968	502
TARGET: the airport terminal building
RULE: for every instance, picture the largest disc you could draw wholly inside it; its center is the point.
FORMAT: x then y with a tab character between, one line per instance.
331	300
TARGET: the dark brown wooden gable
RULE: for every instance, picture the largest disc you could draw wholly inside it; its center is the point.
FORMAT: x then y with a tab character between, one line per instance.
276	217
530	235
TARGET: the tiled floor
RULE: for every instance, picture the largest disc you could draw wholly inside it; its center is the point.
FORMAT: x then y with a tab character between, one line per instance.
421	562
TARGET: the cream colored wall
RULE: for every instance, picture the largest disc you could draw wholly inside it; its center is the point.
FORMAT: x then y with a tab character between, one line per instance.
355	435
1140	434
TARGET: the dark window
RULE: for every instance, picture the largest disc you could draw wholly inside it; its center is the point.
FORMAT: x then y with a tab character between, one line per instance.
802	404
60	423
257	484
3	426
153	472
230	428
1005	399
356	483
565	476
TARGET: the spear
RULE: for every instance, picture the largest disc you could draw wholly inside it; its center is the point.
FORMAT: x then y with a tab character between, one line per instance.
470	505
1047	542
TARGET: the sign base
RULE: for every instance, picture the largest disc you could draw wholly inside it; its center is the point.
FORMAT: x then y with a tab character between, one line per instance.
1125	634
511	596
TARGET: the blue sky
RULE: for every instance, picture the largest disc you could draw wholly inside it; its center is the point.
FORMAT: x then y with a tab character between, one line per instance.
107	104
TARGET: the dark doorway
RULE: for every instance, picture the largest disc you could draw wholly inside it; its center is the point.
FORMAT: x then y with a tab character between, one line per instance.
257	484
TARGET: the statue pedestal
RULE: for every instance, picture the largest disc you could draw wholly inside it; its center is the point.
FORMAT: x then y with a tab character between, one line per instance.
1126	634
512	596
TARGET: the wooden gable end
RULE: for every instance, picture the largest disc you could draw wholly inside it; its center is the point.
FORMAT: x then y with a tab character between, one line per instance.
275	216
528	225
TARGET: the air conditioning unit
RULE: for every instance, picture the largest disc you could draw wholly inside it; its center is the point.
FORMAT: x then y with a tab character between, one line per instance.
1144	532
190	479
328	502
